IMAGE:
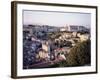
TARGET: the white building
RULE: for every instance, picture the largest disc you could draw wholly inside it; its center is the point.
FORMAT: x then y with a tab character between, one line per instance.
75	28
63	29
43	54
84	37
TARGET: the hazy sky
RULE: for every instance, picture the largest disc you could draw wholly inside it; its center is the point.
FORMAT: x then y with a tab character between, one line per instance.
56	18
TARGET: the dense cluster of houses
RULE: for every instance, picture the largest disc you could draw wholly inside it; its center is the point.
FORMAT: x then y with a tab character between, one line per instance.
38	48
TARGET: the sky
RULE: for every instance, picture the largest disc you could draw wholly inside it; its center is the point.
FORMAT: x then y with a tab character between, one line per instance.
56	18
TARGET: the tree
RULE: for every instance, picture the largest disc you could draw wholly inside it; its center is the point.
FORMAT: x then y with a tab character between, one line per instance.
62	64
80	55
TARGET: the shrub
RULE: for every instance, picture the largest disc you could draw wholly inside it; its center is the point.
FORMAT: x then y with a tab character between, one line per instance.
80	55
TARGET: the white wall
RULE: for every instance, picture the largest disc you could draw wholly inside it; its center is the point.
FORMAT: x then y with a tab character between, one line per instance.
5	41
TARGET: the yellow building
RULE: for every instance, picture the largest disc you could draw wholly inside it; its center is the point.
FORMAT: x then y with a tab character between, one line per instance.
84	37
43	54
45	46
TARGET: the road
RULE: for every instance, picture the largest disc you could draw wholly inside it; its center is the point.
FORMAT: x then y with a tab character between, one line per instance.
46	63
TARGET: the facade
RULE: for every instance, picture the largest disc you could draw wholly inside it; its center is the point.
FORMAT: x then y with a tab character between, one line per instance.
76	28
45	46
84	37
43	54
63	28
